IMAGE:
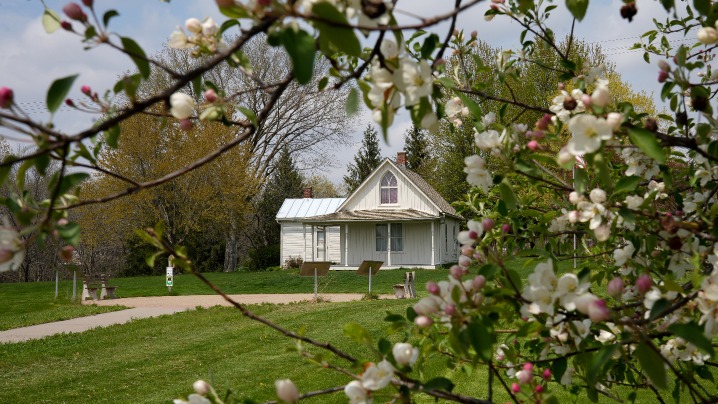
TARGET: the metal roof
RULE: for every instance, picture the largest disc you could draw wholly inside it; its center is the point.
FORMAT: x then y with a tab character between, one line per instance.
377	215
301	208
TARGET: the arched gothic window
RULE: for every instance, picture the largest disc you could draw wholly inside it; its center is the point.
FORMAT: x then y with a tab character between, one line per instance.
389	189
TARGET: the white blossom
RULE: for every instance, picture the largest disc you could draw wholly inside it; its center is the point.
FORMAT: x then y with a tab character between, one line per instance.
588	132
357	393
181	105
405	354
487	140
414	80
376	377
477	174
621	255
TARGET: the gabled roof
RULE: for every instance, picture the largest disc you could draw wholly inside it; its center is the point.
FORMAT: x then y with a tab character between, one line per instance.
301	208
439	202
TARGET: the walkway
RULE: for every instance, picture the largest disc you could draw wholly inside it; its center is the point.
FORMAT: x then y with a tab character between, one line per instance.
144	307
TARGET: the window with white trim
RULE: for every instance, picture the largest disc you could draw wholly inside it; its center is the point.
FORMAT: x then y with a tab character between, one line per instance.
389	189
384	237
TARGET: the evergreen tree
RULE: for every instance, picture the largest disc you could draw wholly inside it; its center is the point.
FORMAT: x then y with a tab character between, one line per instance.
367	159
416	145
285	182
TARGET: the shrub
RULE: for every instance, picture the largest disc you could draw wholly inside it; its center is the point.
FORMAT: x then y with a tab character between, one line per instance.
264	257
293	262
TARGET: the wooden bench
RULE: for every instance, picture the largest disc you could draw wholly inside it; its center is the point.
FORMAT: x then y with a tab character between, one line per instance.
92	283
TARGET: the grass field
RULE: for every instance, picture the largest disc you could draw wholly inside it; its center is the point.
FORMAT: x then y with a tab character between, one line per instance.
156	360
23	304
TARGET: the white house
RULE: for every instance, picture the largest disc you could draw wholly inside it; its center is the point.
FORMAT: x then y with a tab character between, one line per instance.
394	216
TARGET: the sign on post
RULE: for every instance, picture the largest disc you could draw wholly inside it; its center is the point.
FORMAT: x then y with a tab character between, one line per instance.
170	273
369	268
316	269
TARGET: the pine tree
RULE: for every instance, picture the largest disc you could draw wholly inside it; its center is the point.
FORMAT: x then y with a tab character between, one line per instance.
367	159
285	182
416	146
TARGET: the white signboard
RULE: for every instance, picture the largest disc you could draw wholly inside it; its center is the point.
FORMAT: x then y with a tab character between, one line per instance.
170	276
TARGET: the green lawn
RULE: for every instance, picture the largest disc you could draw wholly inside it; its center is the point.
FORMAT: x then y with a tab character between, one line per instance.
156	360
23	304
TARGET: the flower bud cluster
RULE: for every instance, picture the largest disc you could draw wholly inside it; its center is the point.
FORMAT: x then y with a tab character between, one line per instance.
204	37
450	301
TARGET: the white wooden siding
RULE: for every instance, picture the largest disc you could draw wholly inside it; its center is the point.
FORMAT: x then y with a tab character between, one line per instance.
293	242
368	197
416	238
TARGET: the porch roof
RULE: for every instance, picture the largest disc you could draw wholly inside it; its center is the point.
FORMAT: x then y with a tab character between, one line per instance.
376	215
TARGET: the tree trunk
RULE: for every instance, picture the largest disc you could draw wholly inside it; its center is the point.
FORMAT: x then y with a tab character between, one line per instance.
231	246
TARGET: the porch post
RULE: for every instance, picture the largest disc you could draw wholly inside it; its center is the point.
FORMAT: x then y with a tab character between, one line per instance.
314	247
304	233
388	244
346	244
433	262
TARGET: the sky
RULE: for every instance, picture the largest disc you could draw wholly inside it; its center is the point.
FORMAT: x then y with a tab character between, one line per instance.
32	59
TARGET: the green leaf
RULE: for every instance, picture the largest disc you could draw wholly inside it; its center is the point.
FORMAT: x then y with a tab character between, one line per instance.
70	233
112	136
430	43
627	184
668	4
137	54
5	170
488	271
704	373
357	333
109	14
600	359
652	364
384	346
659	307
150	259
580	180
227	25
481	340
71	180
508	195
336	32
249	114
352	105
473	107
58	91
529	328
300	46
702	6
559	368
648	143
322	83
694	334
41	163
50	21
577	8
439	383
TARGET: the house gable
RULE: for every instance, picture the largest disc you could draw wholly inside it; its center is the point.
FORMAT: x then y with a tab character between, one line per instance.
410	195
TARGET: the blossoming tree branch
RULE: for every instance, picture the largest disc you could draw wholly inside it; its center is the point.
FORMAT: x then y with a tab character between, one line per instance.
628	197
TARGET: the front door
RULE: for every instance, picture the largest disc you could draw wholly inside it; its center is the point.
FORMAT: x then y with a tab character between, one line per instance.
321	245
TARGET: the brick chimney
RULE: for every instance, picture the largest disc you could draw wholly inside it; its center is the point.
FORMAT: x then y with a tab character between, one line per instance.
401	159
308	193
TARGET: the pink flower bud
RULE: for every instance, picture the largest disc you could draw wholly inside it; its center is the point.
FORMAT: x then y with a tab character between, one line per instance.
561	86
287	391
6	97
456	272
87	3
546	374
515	387
6	255
598	311
533	145
474	34
69	103
201	387
524	376
67	26
450	309
487	224
432	288
225	3
427	305
538	389
74	11
473	235
86	90
506	228
663	65
210	95
529	367
186	124
440	61
662	76
464	261
644	283
66	253
615	287
467	250
63	222
456	32
423	322
587	101
479	282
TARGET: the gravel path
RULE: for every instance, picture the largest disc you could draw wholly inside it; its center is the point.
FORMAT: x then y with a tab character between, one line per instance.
143	307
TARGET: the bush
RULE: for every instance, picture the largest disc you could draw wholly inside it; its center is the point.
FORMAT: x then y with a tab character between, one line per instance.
293	262
264	257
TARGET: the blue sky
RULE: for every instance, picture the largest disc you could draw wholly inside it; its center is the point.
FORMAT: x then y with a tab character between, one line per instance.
32	59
